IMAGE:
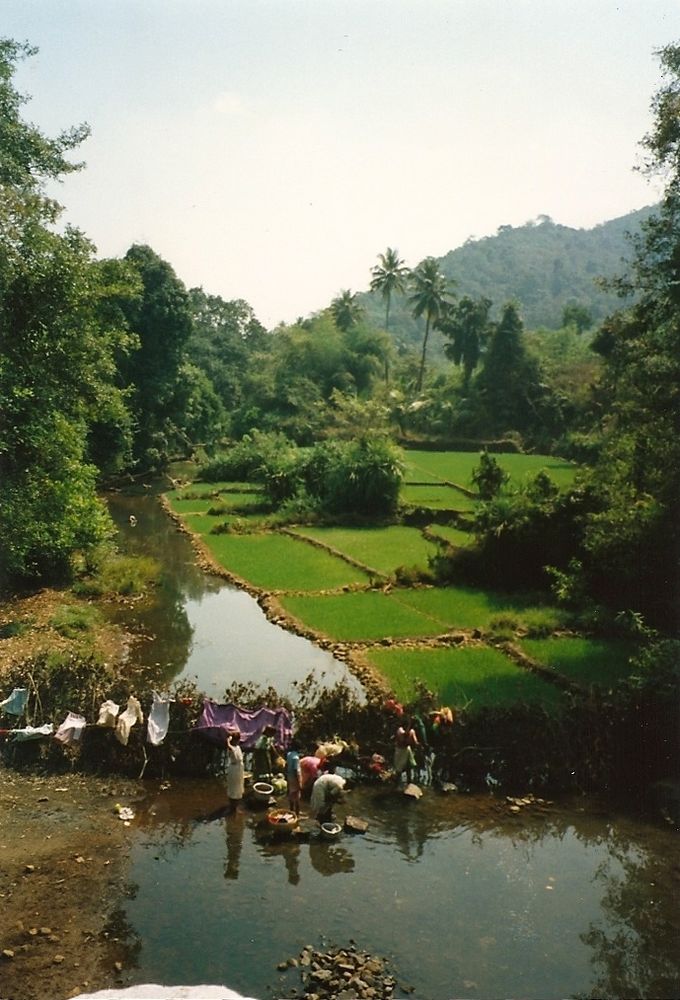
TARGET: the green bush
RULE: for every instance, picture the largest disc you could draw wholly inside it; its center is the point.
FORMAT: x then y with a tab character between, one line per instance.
365	479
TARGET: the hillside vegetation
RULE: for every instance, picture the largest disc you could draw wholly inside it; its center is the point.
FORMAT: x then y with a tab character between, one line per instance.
543	265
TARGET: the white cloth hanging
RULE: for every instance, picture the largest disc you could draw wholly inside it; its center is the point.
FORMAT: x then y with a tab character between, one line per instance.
159	719
127	719
16	703
31	732
107	714
71	729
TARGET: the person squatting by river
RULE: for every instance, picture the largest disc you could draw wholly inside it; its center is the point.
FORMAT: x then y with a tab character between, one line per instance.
235	769
328	789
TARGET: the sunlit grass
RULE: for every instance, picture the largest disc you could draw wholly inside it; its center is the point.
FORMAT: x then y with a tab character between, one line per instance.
278	562
382	549
475	674
466	607
457	467
361	615
452	535
436	497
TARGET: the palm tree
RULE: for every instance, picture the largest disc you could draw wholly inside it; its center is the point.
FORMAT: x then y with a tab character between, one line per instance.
389	275
466	326
429	290
346	310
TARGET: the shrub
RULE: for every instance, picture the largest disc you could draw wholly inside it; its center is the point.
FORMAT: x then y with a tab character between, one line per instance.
365	479
488	477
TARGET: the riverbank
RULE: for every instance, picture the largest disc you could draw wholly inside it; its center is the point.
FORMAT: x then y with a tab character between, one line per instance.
57	621
63	864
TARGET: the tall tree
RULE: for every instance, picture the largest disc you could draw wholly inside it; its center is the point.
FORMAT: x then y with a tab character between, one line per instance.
428	298
466	325
346	310
510	382
161	318
634	542
58	345
390	275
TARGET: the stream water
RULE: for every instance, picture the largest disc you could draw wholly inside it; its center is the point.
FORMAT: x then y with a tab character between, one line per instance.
199	628
463	898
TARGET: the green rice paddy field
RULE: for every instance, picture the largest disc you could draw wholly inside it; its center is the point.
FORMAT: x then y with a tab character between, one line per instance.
586	661
457	467
381	549
478	674
302	574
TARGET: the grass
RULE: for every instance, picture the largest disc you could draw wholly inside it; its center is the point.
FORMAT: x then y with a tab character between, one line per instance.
451	534
119	574
466	607
227	501
457	466
277	562
360	615
204	490
478	674
599	662
436	497
73	620
382	549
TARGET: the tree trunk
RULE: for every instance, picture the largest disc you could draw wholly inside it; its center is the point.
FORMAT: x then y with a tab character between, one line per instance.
419	386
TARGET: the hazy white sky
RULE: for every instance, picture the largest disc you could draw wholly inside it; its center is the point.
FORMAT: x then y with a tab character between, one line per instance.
270	149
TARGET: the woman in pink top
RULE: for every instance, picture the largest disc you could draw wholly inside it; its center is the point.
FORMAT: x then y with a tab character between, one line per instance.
309	769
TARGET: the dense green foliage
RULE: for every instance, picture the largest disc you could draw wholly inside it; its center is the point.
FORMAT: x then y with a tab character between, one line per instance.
360	476
57	356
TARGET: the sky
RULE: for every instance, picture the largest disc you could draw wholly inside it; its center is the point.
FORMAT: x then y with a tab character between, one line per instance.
271	149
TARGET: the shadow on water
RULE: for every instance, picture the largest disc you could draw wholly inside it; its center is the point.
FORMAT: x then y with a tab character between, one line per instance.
463	899
199	628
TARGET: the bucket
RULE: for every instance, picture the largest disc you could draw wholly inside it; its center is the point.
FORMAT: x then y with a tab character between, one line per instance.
331	831
282	819
263	791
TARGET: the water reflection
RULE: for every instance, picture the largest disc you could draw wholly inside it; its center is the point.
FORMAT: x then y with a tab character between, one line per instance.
566	903
235	827
198	627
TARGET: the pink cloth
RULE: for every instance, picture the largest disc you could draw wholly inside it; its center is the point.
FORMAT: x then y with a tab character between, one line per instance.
309	768
216	720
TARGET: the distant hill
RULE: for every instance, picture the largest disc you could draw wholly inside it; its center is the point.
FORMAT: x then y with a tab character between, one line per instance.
543	265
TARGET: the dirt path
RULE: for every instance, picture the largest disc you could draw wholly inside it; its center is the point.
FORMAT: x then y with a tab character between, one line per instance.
63	855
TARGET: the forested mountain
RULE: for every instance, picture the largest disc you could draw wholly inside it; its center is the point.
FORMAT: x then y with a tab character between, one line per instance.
542	265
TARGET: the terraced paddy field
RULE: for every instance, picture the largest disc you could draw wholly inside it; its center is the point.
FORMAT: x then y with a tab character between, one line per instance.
323	578
273	561
231	501
470	607
588	662
436	496
413	613
361	616
457	467
381	549
476	674
454	536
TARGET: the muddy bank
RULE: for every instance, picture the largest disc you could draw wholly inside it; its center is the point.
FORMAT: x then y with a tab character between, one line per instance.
63	856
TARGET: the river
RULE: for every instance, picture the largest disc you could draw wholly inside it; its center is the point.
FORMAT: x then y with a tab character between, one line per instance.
462	897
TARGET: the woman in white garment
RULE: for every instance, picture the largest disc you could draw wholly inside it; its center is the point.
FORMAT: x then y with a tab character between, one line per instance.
235	770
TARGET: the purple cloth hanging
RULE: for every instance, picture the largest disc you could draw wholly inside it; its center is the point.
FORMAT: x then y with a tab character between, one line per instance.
216	719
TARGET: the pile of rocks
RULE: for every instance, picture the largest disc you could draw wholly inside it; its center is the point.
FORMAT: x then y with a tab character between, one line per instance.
343	974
